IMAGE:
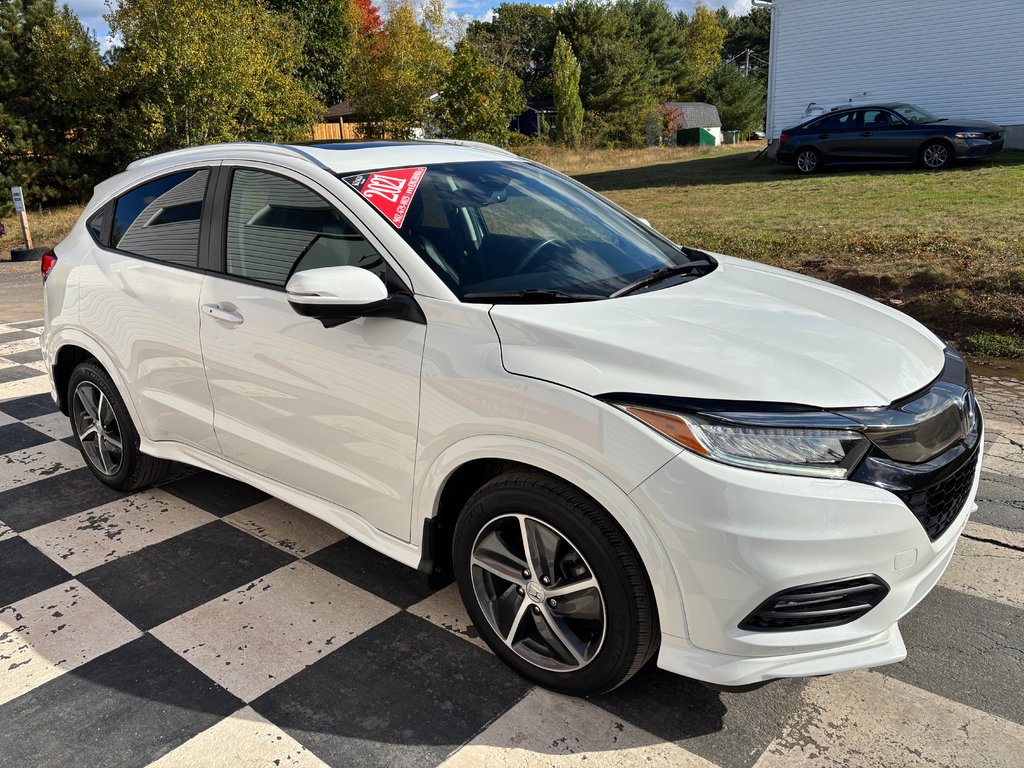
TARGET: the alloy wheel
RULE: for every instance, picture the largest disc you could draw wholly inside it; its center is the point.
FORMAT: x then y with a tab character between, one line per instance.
936	155
807	161
97	428
538	593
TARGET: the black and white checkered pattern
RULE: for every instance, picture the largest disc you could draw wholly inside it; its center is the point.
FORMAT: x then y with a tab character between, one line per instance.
203	623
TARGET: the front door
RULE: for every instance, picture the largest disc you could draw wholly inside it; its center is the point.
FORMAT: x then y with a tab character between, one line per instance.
886	137
330	411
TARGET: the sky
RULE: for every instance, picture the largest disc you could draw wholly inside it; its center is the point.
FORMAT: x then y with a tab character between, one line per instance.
91	11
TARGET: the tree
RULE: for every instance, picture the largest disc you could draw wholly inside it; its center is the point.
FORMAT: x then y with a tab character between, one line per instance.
396	73
702	47
567	93
202	71
752	31
327	27
741	101
55	104
520	38
478	100
659	34
618	85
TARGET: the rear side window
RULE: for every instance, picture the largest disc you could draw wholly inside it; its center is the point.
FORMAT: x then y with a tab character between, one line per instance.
160	220
277	226
846	121
95	225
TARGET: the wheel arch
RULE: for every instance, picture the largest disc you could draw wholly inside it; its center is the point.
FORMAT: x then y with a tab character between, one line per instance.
464	467
72	347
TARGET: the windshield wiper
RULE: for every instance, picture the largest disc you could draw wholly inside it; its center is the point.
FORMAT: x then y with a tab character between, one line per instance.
529	296
696	268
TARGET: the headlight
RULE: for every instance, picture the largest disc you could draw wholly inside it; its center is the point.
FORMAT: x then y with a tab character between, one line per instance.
790	450
971	135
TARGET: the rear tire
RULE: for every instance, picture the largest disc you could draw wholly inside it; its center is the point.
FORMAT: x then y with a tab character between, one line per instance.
936	155
563	599
105	433
808	161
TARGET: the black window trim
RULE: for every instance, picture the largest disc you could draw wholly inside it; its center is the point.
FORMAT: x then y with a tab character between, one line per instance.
109	220
218	239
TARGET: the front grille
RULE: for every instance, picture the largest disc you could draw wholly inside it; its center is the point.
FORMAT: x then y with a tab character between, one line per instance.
813	606
938	505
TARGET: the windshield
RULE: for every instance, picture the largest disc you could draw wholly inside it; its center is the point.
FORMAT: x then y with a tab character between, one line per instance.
915	114
492	228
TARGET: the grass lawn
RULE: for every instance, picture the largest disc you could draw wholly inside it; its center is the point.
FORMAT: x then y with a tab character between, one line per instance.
947	247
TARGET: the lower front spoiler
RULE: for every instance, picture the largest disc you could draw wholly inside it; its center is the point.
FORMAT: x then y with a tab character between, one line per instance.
679	656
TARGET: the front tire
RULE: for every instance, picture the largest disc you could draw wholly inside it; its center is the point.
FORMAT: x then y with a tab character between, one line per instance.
553	585
105	433
936	155
808	161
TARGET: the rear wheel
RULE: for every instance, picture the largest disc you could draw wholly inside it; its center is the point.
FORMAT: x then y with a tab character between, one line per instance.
553	585
808	160
936	155
105	434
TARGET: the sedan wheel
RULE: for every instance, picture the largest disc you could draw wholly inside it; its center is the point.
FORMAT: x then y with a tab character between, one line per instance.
808	161
553	585
936	155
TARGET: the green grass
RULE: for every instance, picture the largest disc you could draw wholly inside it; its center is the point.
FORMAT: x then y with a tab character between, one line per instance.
947	247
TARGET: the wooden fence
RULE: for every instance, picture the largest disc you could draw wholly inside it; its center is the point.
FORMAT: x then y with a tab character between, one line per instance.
334	131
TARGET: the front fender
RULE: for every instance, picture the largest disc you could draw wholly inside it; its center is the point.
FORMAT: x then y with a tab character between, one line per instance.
571	469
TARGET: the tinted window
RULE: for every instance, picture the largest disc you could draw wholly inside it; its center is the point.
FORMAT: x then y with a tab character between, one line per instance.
277	226
845	121
160	220
878	119
95	225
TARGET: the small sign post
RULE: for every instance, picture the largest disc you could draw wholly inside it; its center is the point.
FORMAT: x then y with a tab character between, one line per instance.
19	207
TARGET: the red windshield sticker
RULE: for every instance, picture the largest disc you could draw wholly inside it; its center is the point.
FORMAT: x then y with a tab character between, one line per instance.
390	192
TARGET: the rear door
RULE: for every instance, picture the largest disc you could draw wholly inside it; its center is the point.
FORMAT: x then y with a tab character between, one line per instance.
330	411
838	137
139	299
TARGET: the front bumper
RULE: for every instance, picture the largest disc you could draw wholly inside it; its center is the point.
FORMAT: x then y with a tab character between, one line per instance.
971	149
736	537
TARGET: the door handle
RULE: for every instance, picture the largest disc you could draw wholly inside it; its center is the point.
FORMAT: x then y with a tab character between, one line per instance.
823	135
867	133
232	316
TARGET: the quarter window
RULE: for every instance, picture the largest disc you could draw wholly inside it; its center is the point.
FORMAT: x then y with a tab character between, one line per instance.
277	226
160	220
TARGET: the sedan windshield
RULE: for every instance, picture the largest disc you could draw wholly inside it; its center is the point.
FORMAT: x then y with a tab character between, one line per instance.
915	114
511	231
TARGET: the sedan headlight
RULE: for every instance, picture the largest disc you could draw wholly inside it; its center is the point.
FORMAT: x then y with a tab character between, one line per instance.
791	450
971	135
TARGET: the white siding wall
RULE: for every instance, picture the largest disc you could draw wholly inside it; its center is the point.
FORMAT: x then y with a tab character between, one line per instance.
954	58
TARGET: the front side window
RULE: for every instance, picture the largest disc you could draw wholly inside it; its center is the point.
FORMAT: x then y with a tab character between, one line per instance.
277	226
160	219
496	227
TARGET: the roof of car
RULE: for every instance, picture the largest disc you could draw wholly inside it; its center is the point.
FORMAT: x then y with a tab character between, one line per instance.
344	156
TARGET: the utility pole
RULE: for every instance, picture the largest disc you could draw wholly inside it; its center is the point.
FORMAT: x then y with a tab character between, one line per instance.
19	207
746	67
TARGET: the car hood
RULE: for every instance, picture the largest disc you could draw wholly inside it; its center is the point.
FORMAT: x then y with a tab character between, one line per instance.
983	125
744	332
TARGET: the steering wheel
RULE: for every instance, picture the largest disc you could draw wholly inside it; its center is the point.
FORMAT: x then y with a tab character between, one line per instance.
533	252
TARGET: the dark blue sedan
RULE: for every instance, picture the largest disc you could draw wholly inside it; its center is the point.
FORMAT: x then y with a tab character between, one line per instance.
886	133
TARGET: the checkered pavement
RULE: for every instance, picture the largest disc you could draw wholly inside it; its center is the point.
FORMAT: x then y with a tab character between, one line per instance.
203	623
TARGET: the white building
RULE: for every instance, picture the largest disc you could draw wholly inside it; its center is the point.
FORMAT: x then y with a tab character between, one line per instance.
953	58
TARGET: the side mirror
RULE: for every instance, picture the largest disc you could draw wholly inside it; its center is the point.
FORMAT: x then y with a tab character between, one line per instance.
336	293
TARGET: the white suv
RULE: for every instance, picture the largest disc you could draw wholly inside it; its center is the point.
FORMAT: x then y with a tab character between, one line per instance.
619	447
